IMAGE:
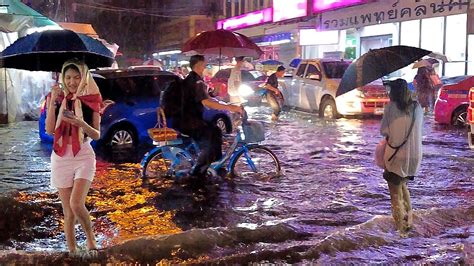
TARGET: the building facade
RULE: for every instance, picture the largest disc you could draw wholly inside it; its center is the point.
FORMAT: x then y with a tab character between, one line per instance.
322	28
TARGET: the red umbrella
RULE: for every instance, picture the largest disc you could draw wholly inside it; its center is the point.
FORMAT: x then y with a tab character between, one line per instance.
221	42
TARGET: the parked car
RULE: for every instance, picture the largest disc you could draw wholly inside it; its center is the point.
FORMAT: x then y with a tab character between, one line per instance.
131	97
452	102
313	88
470	118
249	90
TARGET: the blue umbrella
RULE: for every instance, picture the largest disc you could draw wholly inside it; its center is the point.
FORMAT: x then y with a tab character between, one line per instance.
295	62
48	50
271	63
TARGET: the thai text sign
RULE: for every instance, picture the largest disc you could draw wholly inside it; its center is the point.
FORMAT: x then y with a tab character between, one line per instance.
246	20
390	11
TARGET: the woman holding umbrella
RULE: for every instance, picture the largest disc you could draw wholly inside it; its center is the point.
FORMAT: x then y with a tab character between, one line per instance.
74	122
402	128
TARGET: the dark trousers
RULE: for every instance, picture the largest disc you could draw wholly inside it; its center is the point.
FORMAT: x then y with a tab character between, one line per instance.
274	102
209	139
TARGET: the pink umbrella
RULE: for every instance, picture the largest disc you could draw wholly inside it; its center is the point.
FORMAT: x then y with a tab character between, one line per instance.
221	42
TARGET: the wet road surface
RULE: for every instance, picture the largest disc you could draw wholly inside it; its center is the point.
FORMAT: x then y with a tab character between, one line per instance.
330	206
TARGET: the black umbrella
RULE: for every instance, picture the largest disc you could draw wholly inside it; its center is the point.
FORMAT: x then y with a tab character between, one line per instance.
48	50
376	64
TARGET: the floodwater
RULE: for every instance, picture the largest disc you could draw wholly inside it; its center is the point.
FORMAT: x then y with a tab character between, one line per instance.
330	206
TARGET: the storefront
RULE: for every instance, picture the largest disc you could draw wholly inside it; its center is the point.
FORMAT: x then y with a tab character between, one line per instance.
274	29
431	24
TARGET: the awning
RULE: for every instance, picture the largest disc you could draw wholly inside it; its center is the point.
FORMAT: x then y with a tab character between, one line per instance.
86	29
16	16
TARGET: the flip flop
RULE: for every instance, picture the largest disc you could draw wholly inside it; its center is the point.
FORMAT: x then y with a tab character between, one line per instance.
90	254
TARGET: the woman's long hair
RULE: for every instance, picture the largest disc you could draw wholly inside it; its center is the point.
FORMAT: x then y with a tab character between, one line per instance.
400	95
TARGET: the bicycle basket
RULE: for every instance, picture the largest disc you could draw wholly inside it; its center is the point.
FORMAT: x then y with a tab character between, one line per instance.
161	132
254	131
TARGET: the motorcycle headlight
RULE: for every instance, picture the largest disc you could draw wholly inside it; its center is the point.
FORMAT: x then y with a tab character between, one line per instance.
245	90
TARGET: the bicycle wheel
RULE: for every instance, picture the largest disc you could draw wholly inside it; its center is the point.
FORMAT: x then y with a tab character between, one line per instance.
256	162
157	166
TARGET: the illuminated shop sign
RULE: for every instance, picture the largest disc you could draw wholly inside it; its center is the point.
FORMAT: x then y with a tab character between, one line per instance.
246	20
285	9
273	39
321	5
314	37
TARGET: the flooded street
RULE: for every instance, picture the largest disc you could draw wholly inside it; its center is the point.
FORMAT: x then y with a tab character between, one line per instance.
330	206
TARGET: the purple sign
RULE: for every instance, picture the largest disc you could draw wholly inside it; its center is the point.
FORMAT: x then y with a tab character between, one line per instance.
321	5
284	9
246	20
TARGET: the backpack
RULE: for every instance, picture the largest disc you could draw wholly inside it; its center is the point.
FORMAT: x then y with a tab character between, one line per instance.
172	98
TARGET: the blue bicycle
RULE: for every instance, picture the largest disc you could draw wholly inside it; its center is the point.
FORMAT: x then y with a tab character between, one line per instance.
245	158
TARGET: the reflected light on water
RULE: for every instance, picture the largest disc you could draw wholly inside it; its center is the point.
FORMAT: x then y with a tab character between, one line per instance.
127	206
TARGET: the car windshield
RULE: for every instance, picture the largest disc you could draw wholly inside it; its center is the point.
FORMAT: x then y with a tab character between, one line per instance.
336	69
256	74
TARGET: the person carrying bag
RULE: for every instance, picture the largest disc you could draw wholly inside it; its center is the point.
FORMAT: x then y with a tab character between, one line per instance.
401	157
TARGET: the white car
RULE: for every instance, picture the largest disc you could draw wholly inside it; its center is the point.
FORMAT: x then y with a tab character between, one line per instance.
313	88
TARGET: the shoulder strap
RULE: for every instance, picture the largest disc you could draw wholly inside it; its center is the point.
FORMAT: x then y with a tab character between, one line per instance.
397	148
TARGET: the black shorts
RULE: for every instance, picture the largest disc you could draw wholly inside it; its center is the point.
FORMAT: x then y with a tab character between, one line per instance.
394	178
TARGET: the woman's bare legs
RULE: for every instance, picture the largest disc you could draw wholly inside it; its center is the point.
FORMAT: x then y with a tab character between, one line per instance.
407	205
69	218
398	206
78	206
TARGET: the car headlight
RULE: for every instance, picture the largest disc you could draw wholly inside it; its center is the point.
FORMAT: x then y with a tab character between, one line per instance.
245	90
359	93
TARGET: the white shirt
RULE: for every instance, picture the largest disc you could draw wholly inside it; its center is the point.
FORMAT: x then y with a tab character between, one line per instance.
235	77
395	125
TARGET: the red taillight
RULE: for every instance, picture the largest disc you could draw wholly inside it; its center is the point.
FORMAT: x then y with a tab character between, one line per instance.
469	115
443	94
471	96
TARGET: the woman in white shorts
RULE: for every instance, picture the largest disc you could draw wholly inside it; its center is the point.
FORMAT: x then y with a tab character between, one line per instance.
73	118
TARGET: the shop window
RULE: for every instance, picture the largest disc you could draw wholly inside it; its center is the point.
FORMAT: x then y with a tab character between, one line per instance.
410	33
228	8
432	34
470	60
456	44
454	69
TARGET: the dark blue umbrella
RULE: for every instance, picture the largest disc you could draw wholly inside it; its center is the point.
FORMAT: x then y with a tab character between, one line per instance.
295	62
48	50
377	63
271	63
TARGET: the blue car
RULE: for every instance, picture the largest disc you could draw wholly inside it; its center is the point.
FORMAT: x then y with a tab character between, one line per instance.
131	97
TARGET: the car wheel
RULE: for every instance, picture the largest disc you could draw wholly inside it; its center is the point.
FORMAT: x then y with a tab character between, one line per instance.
222	124
328	109
121	138
460	117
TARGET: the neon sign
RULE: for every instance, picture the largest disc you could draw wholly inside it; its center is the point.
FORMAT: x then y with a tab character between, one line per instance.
246	20
284	9
321	5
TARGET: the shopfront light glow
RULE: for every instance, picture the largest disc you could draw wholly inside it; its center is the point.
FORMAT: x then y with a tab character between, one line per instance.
321	5
284	9
170	52
246	20
314	37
